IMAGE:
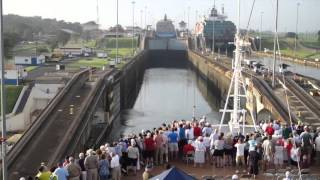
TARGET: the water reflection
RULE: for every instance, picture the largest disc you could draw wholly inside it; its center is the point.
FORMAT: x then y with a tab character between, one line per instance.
168	94
294	67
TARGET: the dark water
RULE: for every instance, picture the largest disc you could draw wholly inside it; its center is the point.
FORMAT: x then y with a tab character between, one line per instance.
169	94
294	67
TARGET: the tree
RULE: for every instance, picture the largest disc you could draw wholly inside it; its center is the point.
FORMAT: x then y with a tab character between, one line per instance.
63	37
319	35
10	39
291	35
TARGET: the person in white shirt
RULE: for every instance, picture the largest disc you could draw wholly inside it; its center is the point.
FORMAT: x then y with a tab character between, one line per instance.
317	147
189	132
264	126
278	155
206	142
165	147
213	137
115	166
200	149
240	153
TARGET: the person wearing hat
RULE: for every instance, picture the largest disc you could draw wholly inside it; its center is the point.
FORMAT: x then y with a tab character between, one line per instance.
288	176
73	169
147	172
200	149
91	164
133	156
235	177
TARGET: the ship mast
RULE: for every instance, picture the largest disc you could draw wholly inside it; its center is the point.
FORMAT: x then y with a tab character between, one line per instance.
237	84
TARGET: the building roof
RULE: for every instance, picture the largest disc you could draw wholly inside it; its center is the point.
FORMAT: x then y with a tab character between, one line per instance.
90	23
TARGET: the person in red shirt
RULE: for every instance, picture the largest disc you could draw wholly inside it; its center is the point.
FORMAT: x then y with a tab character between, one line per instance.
149	147
288	146
188	147
270	130
197	131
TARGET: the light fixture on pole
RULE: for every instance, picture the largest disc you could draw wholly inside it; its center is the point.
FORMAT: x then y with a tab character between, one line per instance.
275	45
145	17
188	20
141	21
260	45
133	27
213	19
3	100
117	29
296	35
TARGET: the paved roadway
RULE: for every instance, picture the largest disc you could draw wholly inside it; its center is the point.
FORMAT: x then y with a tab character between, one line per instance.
46	140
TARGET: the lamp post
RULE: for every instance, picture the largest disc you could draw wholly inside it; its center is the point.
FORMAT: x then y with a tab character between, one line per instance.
117	29
260	45
213	19
296	36
275	45
145	17
133	27
3	100
188	21
141	21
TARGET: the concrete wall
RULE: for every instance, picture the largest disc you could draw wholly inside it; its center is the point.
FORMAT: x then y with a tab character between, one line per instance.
215	74
131	79
38	99
167	44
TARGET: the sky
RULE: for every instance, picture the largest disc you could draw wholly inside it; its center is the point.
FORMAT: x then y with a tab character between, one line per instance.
177	10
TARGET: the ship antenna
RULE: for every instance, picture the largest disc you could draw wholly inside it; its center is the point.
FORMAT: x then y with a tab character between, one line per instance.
237	114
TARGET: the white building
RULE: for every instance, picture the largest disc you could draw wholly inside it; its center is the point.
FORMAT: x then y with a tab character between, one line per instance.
90	26
29	59
14	74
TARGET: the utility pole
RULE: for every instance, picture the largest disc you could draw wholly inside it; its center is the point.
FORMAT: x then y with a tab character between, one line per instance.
141	19
275	45
145	17
296	36
3	101
188	20
213	19
117	29
197	16
98	12
260	45
133	27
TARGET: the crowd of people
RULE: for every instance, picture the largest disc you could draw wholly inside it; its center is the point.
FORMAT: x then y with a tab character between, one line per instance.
271	145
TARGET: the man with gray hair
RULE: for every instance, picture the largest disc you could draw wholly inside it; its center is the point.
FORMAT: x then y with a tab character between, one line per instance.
74	170
91	163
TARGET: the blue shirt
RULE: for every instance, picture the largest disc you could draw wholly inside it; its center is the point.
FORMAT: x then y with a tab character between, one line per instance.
182	133
173	137
252	145
61	173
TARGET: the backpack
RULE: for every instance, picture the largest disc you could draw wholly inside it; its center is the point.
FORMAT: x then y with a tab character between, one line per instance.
103	170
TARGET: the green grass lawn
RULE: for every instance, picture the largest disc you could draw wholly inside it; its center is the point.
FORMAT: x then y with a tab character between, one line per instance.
89	62
123	52
13	93
287	48
31	68
125	42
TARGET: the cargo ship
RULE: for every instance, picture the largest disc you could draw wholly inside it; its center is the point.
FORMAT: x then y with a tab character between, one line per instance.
224	32
165	29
